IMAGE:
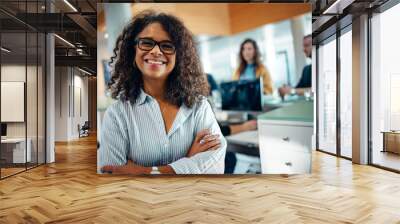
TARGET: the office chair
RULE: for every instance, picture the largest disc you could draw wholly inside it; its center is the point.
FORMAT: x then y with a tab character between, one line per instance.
84	130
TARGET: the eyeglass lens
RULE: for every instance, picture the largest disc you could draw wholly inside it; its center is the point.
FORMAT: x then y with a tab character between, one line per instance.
148	44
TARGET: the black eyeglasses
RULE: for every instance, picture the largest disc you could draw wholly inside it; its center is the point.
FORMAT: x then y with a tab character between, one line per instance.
147	44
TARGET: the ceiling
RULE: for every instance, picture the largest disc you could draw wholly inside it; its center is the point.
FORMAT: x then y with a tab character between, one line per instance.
72	20
77	24
330	15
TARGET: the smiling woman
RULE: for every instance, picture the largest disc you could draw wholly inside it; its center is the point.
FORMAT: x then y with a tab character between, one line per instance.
251	67
161	122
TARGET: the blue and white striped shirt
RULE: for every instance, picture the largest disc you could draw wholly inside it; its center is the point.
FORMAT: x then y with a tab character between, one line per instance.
136	132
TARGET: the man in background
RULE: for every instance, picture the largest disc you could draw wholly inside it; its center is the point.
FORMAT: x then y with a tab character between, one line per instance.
304	84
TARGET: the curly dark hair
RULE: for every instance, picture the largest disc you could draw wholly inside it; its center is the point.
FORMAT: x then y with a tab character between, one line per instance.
186	83
257	56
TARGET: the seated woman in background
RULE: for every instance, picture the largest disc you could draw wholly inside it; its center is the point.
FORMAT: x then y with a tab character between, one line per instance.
251	67
161	121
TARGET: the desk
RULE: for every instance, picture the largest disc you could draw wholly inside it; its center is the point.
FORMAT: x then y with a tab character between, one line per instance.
271	102
391	141
13	150
285	139
244	142
227	117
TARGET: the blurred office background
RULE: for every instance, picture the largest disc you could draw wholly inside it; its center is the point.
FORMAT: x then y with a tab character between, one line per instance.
219	29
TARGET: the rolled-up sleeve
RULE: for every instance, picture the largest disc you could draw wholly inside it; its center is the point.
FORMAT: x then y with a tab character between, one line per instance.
209	162
114	140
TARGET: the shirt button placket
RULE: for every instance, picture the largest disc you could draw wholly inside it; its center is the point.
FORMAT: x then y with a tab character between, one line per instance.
166	151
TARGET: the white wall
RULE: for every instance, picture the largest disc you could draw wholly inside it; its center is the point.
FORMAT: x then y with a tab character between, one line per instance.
79	117
33	126
298	31
12	73
69	82
61	103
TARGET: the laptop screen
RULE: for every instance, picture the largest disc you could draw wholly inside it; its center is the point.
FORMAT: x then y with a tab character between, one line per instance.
242	95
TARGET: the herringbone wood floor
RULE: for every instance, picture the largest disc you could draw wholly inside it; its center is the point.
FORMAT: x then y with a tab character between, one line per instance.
70	191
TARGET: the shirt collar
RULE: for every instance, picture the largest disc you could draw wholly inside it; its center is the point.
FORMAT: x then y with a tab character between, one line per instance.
184	111
143	97
182	115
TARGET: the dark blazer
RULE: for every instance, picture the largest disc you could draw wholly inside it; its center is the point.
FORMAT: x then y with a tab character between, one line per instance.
305	80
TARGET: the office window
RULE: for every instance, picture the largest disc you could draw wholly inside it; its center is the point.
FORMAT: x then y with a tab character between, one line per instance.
346	94
327	96
13	86
22	92
385	89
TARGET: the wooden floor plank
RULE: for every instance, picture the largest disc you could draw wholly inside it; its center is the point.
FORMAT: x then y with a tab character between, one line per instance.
70	191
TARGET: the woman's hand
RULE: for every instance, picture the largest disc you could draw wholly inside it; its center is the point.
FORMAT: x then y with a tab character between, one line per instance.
129	168
204	141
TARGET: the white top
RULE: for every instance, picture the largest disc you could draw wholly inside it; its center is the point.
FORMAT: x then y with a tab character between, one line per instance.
136	132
